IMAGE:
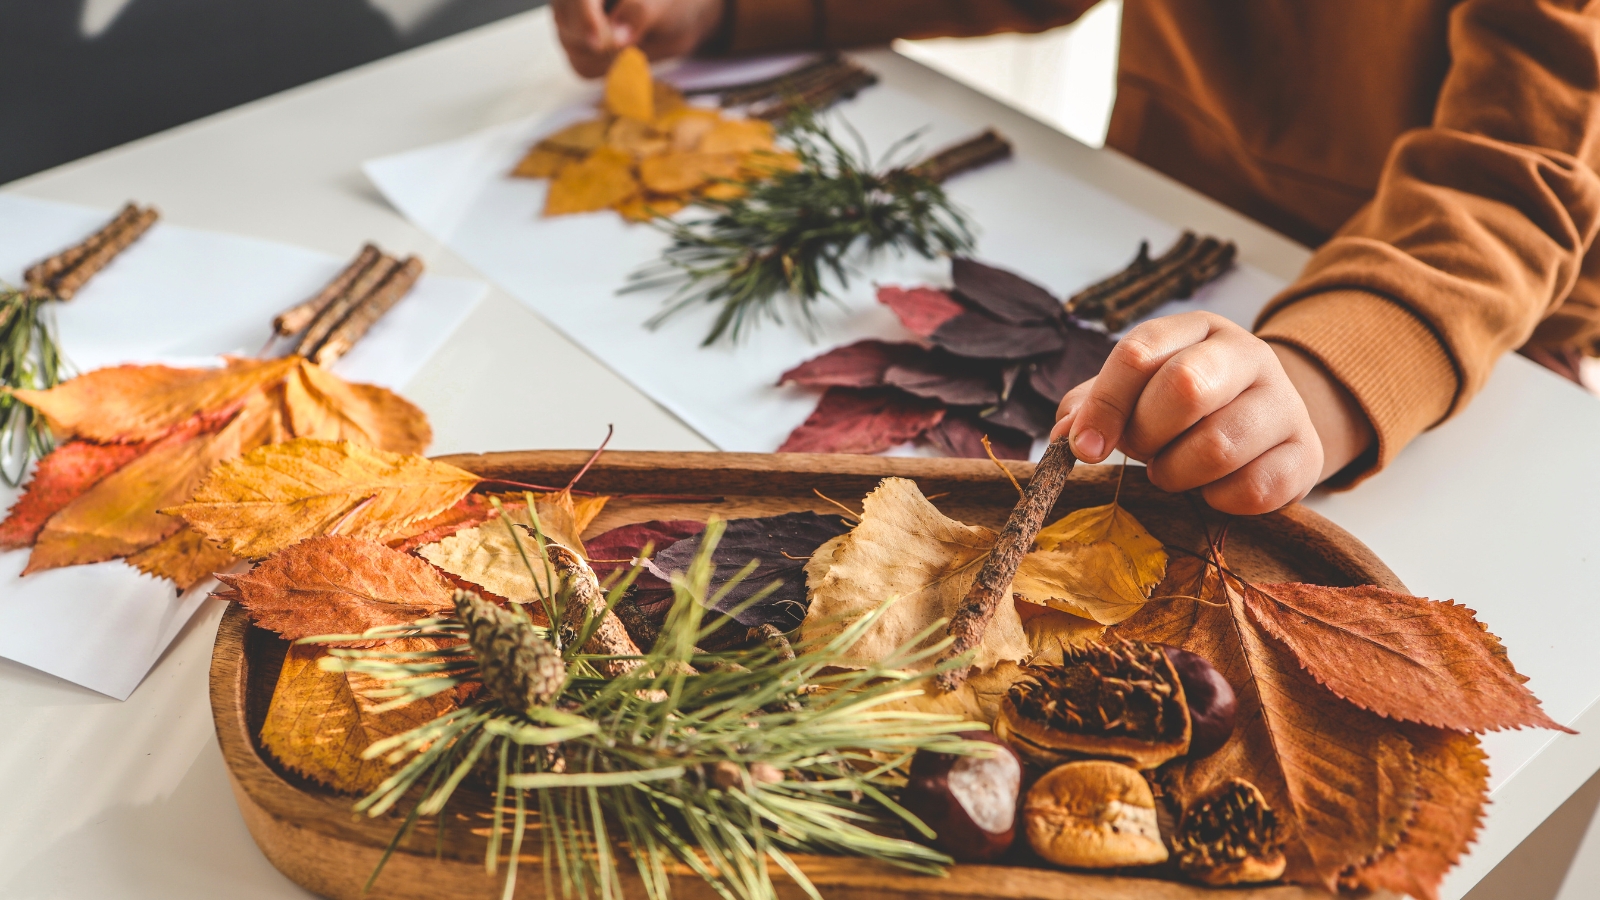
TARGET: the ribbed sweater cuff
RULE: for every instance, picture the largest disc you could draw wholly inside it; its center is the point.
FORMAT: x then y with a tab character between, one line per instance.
766	26
1392	363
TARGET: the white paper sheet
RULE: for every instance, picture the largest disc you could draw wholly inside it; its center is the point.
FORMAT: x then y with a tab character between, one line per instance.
178	296
1056	230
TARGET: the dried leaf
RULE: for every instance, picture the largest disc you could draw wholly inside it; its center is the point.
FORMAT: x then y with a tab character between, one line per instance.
961	436
62	476
635	138
1023	412
490	558
680	173
687	126
937	375
562	517
862	421
738	136
601	181
543	162
1080	360
120	515
339	585
640	208
1005	295
142	403
579	139
1343	779
780	546
614	551
324	406
861	364
318	722
277	495
1094	581
1110	524
629	90
904	548
472	510
980	337
184	558
1401	657
921	310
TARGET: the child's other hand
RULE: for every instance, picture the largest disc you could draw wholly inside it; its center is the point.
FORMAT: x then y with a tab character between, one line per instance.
1206	404
661	28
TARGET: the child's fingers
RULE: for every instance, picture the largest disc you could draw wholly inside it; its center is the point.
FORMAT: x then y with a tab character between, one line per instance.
1225	442
1275	479
1099	421
1068	408
1196	382
585	35
631	20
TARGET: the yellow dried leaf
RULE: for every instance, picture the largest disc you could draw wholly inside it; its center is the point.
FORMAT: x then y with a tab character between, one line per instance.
680	173
1099	563
629	89
1115	525
603	180
183	557
724	190
489	557
275	496
635	138
767	163
579	139
319	723
668	99
323	406
641	208
904	548
687	126
738	136
543	163
120	404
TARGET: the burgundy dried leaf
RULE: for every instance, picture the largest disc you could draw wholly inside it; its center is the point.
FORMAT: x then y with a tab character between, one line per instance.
1079	361
613	552
857	365
1026	413
921	310
980	337
862	421
1005	295
949	379
962	436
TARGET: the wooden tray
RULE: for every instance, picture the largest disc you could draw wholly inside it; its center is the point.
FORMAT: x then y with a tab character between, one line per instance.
313	837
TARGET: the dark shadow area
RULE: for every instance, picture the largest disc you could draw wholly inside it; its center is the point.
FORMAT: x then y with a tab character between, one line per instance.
161	63
1538	869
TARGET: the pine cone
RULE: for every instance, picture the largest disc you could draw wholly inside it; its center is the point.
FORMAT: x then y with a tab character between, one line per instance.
520	668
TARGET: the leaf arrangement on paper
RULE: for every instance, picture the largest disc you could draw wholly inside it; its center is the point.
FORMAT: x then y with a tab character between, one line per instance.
723	695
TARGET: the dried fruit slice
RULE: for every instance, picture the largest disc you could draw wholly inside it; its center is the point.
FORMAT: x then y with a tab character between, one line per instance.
1230	836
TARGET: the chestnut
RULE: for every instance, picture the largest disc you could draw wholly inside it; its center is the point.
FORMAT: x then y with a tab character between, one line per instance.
970	802
1212	704
1094	814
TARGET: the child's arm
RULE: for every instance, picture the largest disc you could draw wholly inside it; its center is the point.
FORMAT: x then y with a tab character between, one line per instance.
1206	404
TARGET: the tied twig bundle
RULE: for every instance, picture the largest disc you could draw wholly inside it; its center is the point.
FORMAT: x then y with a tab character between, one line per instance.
335	318
1147	283
816	85
993	583
61	276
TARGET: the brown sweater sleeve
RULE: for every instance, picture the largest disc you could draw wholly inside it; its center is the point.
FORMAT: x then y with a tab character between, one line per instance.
1478	229
762	26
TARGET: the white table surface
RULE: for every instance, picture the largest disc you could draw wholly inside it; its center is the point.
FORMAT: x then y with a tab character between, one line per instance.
130	800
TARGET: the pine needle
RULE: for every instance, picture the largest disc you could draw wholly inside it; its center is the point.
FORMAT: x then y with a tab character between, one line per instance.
30	358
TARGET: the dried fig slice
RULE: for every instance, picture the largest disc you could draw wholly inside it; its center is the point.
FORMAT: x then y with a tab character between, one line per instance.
1094	815
1230	836
1121	701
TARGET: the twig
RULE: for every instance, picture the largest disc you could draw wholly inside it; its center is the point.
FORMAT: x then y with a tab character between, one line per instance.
340	306
294	320
610	430
972	153
367	311
993	583
588	602
1001	466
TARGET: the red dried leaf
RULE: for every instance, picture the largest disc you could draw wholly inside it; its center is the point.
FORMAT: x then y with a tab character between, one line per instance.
962	436
861	364
615	550
1402	657
339	585
921	310
61	477
1005	295
862	421
473	510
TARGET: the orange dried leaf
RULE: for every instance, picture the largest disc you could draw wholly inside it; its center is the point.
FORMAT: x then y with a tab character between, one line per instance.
687	126
61	477
579	139
603	180
541	162
668	99
142	403
472	511
680	173
635	138
184	558
339	585
629	88
323	406
1402	657
738	136
319	723
278	495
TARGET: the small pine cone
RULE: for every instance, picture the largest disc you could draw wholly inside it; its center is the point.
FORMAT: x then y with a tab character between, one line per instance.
521	669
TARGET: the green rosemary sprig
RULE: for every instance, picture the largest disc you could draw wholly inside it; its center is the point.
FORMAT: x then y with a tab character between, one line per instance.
794	230
725	763
30	358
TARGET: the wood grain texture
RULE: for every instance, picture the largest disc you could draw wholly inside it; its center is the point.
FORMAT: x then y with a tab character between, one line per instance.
313	837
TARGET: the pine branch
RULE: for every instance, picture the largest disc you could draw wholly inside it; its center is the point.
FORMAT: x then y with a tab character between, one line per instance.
30	358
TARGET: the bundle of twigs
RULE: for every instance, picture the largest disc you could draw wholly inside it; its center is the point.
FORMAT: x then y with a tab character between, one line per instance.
1147	283
60	277
330	322
814	86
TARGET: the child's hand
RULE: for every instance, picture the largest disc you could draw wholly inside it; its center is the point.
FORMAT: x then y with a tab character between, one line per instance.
1206	404
661	28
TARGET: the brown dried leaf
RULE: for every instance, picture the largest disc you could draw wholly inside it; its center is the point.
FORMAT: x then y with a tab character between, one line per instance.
277	495
183	557
319	722
961	435
1401	657
339	585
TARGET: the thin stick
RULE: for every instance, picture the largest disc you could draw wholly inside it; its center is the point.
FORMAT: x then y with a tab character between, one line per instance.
334	313
972	153
368	310
41	273
1001	466
610	430
68	283
1210	259
294	320
993	583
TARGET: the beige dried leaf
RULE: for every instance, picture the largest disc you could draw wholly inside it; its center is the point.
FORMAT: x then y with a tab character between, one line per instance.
488	556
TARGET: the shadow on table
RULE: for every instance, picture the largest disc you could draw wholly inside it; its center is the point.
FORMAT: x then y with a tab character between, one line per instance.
88	75
1560	860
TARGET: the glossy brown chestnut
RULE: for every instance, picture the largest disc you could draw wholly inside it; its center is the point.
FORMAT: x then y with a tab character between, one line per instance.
1212	704
970	802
